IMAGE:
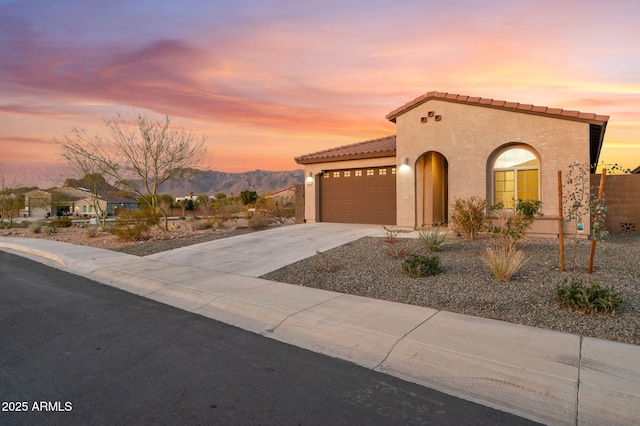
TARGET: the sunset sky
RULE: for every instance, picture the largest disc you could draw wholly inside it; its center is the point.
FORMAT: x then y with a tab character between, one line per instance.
268	80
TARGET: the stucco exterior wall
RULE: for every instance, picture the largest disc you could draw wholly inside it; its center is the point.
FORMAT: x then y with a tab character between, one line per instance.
311	186
468	137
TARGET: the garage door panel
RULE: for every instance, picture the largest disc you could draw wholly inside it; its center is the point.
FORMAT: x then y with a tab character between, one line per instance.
359	196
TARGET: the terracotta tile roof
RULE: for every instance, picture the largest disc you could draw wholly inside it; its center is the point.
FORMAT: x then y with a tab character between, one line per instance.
374	148
509	106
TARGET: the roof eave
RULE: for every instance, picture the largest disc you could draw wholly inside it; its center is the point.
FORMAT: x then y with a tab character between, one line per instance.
381	154
501	105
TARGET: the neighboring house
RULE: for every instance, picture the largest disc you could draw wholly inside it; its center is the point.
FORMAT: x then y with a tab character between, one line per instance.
67	201
117	205
283	197
450	146
70	201
37	203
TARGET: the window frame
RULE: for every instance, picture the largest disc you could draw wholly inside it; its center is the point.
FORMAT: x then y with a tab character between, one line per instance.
515	169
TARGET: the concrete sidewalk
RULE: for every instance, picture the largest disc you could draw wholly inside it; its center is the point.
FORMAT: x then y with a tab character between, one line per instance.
546	376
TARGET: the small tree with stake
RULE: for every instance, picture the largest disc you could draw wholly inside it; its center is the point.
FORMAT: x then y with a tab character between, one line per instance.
577	202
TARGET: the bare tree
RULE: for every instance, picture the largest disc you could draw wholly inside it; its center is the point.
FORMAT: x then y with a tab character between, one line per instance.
139	154
93	181
10	202
205	203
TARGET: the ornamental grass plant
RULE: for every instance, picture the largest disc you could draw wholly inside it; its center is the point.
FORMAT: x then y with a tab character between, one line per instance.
504	262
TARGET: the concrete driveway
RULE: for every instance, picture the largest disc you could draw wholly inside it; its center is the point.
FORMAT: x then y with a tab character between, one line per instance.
258	253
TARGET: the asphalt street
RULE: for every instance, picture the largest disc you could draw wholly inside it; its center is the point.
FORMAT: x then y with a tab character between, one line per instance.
73	351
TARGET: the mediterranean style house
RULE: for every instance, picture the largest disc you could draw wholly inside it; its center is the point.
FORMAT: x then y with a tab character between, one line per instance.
450	146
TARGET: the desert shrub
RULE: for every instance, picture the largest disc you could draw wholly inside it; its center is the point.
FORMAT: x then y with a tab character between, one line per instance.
135	227
51	229
513	224
587	298
35	227
504	262
61	222
419	265
109	227
215	222
90	232
260	221
469	216
220	220
134	231
432	238
5	224
395	247
282	214
201	225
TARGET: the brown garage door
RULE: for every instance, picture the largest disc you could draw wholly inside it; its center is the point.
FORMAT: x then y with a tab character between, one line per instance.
359	196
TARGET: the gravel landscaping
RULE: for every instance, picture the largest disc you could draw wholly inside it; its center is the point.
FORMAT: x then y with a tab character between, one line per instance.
467	286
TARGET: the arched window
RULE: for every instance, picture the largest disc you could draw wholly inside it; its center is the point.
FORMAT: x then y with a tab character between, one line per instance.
515	177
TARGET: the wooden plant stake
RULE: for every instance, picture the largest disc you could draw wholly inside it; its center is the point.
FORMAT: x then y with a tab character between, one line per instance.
560	221
593	240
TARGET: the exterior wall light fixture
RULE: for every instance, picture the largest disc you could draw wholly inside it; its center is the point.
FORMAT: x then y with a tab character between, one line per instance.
404	167
310	179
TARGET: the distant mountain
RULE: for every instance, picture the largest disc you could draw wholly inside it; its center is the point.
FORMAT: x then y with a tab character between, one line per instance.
211	182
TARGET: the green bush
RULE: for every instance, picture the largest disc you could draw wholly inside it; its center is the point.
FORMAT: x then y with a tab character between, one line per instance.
504	262
587	298
61	222
90	232
35	227
469	216
432	238
419	265
514	224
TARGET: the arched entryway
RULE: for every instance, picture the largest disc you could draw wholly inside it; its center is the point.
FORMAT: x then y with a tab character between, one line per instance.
432	189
